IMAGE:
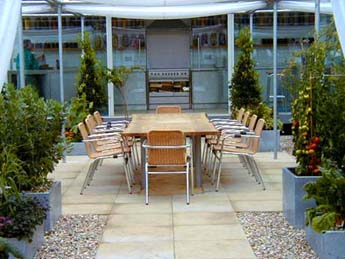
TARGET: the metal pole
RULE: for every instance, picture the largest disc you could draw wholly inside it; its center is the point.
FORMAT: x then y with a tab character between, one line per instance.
251	25
82	25
317	17
21	53
231	53
275	25
62	95
109	32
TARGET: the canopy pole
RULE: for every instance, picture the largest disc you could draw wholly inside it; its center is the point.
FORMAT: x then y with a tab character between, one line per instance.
317	17
275	128
62	95
109	33
251	25
82	29
21	72
231	53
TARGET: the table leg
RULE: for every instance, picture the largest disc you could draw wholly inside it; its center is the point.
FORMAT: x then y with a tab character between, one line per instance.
197	159
143	160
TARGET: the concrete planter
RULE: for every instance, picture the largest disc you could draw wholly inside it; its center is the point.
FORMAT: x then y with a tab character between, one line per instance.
294	206
51	199
28	249
328	245
77	149
267	141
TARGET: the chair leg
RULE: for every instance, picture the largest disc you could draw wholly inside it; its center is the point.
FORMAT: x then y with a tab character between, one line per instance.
125	167
93	170
187	183
219	171
204	153
258	173
136	152
146	185
192	171
86	178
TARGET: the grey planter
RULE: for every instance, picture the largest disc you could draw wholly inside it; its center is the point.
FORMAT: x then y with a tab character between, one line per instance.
294	206
29	249
76	149
267	141
51	199
328	245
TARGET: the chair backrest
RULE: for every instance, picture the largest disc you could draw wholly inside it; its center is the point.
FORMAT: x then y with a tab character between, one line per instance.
168	109
258	130
90	123
240	114
164	156
245	118
84	134
252	121
98	118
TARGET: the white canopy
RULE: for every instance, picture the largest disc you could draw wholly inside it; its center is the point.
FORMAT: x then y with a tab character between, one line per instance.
148	9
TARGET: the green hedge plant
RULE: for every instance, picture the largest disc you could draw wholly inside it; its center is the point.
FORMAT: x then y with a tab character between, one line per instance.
30	133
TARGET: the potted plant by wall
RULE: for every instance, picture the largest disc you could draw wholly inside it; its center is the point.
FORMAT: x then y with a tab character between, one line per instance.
317	116
31	127
326	231
21	217
246	89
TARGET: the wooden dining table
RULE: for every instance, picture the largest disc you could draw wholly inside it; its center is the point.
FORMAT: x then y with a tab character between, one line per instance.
194	125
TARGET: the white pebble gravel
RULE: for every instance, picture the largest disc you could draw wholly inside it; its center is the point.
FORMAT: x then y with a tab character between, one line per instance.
271	236
74	236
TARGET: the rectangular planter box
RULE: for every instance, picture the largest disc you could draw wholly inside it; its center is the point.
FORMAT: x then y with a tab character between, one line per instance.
267	141
328	245
29	249
77	149
51	199
294	206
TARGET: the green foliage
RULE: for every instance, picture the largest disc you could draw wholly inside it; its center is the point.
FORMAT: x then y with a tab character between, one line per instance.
265	112
76	112
245	87
329	194
92	79
30	135
318	110
7	249
22	216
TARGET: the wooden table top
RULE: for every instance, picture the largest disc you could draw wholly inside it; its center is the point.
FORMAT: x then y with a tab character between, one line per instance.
191	124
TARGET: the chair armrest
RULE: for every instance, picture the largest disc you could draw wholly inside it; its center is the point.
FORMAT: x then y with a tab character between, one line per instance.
164	147
116	140
103	135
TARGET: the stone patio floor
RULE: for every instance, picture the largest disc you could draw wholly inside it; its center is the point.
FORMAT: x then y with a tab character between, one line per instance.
167	227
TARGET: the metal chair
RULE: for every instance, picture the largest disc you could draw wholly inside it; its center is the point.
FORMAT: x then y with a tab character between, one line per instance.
114	150
168	109
246	153
166	149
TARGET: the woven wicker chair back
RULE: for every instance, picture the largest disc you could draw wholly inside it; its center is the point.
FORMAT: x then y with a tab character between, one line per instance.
98	118
258	130
245	118
252	121
168	109
84	134
90	123
166	156
240	115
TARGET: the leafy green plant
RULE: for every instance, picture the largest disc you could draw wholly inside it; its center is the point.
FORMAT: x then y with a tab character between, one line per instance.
31	127
20	216
76	112
329	193
7	249
119	76
92	78
245	87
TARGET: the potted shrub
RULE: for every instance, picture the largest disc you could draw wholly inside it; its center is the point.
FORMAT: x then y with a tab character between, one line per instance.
317	120
326	231
7	249
246	89
31	133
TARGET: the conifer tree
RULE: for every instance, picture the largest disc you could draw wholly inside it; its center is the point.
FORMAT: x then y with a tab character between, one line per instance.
92	79
245	87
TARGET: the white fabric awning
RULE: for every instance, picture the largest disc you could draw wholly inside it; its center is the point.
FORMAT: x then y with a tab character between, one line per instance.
305	6
339	17
164	12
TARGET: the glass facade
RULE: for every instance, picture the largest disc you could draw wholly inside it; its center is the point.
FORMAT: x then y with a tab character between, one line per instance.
205	39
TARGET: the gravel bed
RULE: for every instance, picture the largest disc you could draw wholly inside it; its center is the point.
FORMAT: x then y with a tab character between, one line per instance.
271	236
74	236
286	144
